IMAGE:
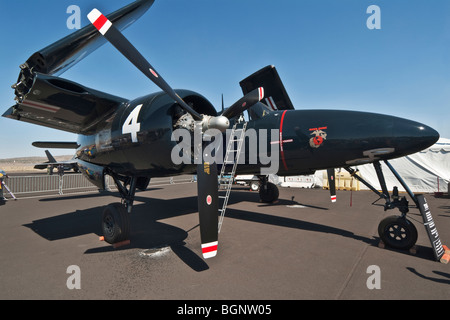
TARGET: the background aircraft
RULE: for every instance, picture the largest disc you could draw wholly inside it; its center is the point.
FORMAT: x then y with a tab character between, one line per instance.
52	163
131	140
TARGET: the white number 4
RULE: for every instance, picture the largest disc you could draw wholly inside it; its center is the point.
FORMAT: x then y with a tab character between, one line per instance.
131	125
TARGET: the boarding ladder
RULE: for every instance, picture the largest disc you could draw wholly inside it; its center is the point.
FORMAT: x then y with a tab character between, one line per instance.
226	176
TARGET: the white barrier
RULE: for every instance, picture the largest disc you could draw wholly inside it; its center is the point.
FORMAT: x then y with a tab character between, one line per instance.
69	183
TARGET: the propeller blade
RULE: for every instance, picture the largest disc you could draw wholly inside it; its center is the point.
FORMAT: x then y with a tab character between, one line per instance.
244	103
117	39
208	207
332	184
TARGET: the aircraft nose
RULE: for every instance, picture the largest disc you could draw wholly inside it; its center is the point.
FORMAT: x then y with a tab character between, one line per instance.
414	135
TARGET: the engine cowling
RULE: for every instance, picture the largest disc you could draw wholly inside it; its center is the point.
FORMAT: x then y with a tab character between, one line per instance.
137	139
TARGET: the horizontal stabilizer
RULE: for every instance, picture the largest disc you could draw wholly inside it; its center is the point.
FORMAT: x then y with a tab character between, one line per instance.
55	145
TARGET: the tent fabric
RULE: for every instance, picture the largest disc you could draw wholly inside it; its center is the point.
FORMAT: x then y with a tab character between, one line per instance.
424	171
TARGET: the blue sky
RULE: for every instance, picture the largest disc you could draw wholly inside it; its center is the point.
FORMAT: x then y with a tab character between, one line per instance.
322	49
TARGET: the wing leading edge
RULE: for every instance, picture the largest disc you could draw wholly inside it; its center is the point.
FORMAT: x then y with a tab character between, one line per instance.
63	54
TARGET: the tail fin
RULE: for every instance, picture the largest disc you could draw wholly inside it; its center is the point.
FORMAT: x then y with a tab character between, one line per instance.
49	156
274	91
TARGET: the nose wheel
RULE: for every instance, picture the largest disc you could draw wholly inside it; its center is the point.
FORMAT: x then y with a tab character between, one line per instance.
395	231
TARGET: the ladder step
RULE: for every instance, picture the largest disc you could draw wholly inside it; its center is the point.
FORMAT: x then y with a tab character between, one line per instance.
225	183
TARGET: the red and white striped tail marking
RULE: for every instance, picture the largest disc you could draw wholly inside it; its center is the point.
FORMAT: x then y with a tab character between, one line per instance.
271	103
209	250
99	21
333	198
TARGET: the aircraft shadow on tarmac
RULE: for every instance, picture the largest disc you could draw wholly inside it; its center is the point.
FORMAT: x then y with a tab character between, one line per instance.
147	232
447	210
438	280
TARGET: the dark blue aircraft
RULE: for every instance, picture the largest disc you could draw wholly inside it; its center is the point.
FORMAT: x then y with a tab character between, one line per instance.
132	140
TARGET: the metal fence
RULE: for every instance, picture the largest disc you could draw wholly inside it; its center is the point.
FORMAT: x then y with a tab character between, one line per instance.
24	186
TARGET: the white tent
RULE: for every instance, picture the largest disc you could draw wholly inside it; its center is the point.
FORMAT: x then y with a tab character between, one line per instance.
424	171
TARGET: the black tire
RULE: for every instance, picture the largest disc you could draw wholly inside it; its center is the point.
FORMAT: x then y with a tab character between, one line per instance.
269	193
397	232
115	223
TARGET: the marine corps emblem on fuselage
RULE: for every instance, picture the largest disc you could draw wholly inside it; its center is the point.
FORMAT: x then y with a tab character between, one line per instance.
319	136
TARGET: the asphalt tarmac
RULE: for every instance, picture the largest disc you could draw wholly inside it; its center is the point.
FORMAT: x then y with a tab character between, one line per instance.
302	247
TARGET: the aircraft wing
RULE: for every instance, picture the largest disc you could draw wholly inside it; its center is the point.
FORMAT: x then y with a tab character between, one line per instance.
47	100
64	105
63	54
41	166
55	164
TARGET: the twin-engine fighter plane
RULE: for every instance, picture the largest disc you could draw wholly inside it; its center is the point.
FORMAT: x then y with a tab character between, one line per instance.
52	163
132	140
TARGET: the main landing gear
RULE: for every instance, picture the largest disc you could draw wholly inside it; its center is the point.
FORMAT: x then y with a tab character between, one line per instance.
395	231
268	192
115	217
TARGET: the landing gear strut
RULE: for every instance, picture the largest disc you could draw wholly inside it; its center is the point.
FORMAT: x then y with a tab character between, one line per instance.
395	231
115	218
268	192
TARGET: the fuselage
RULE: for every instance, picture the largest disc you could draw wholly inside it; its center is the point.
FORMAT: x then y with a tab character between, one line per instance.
137	140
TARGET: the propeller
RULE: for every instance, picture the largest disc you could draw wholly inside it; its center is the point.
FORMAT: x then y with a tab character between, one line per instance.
244	103
208	205
332	184
118	40
206	172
